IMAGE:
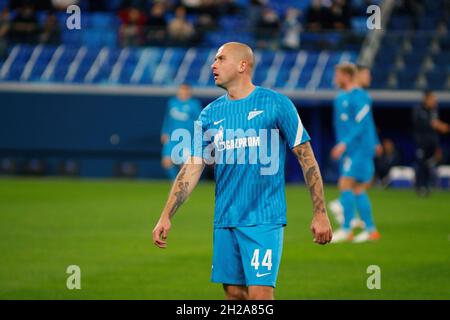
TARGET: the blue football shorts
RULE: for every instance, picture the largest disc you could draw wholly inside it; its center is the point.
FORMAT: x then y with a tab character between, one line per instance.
362	169
247	256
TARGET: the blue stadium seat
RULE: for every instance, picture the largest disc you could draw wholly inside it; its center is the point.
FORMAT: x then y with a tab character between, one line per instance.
37	71
231	22
444	42
282	78
421	41
110	38
4	4
92	38
60	72
401	22
380	77
100	20
15	72
442	59
167	61
125	75
113	5
41	17
24	54
427	23
432	7
81	72
392	40
359	24
437	79
215	39
406	79
414	59
41	63
260	74
112	57
305	77
196	67
326	82
282	5
71	37
385	58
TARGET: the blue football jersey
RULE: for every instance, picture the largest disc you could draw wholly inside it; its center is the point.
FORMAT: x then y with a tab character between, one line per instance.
354	124
180	115
246	141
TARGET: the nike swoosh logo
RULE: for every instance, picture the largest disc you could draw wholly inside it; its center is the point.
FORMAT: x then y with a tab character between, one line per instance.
217	122
259	275
253	114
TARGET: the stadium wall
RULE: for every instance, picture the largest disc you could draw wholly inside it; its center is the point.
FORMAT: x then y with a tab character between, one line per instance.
103	129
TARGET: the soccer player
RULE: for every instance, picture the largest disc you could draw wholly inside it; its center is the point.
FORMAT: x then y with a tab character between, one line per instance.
363	79
182	111
427	127
356	147
250	207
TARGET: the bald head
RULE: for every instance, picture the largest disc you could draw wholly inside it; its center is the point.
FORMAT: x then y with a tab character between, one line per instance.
234	61
240	52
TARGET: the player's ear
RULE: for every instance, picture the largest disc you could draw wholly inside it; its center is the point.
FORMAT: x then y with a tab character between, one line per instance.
242	66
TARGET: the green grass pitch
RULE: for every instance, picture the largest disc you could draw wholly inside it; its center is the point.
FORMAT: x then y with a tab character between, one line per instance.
104	226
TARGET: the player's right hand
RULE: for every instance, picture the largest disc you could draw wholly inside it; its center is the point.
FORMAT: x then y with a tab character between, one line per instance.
321	229
164	138
338	151
160	232
378	150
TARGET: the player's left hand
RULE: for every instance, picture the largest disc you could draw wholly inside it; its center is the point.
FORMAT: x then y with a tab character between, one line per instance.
321	228
338	151
160	232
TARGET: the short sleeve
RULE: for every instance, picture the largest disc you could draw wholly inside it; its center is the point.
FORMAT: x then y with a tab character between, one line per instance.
197	108
199	141
290	124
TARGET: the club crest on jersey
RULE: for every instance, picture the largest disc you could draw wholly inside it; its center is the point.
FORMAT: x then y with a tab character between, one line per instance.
253	114
218	139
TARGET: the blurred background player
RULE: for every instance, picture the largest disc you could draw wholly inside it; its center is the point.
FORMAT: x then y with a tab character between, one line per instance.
389	158
427	127
357	142
182	111
363	78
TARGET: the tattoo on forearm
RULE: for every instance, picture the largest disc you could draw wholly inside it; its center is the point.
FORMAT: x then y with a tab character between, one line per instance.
312	175
182	192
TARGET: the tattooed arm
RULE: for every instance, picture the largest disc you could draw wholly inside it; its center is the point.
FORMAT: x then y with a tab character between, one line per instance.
183	185
320	225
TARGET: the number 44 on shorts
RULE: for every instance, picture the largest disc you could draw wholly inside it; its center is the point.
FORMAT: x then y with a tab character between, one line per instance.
266	261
